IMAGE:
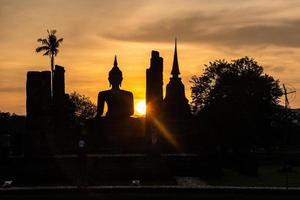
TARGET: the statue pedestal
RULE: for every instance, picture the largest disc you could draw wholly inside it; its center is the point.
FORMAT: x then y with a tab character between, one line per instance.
124	135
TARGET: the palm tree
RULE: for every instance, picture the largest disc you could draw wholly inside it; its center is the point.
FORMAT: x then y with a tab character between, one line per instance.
50	47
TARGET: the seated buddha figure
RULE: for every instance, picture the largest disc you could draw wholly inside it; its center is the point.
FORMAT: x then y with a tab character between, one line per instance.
119	102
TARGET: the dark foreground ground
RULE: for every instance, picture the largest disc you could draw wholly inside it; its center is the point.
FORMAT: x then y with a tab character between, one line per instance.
115	170
148	192
170	177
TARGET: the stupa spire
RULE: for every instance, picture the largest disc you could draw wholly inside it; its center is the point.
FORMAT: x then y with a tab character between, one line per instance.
175	68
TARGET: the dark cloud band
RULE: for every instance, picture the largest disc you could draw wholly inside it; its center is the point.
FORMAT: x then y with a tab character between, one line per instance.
213	30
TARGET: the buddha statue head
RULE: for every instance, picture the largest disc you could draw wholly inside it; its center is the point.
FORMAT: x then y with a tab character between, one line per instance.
115	76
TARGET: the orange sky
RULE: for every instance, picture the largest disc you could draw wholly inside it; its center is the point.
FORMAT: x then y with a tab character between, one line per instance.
94	31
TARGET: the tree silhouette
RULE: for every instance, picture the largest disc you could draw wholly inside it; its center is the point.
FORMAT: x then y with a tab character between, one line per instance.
50	46
84	108
237	98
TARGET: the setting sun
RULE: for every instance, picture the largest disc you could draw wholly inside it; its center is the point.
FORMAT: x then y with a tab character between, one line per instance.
140	107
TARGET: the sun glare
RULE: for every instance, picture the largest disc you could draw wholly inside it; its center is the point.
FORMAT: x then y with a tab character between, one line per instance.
140	107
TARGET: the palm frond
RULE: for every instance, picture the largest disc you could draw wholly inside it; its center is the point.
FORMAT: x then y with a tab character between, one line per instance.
51	44
42	48
46	53
56	52
52	40
43	41
51	32
58	42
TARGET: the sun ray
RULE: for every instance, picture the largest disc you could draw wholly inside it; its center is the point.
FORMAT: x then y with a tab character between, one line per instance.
166	133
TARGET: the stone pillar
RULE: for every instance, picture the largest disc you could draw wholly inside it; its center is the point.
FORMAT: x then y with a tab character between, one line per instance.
58	94
38	109
154	96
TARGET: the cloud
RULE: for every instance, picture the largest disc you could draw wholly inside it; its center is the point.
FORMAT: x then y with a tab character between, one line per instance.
11	89
163	30
216	30
283	34
278	69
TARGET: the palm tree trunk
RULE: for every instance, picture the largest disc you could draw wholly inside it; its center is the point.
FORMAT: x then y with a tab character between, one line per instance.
52	63
52	74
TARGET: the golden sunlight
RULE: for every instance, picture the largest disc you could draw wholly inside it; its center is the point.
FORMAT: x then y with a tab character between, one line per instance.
140	107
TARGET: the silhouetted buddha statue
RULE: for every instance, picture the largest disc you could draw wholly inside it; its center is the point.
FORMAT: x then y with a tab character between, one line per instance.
119	102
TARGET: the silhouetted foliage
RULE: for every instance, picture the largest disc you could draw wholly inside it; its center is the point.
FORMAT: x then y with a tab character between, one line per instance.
285	122
84	108
238	99
241	80
12	129
5	115
49	46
